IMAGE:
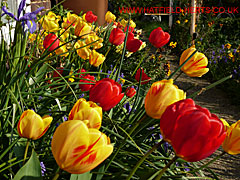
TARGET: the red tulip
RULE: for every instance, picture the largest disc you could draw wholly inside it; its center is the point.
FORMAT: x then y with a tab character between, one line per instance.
133	45
90	17
130	92
193	131
59	70
107	93
86	79
82	72
145	79
52	41
117	36
158	37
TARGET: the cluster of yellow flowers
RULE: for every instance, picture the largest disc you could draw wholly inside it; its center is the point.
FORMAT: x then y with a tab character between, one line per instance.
77	145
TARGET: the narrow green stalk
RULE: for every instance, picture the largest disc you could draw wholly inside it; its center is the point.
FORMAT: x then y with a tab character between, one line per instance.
143	159
166	167
209	86
171	75
26	151
178	76
122	143
57	174
124	48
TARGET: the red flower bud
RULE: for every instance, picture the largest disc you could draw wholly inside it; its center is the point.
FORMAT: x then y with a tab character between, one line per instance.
90	17
130	92
145	79
117	36
133	45
158	37
52	41
86	78
107	93
193	131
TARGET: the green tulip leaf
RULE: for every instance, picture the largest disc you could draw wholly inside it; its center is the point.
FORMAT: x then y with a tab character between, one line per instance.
84	176
31	170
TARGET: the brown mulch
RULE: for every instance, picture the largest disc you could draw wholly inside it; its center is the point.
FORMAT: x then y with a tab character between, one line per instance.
228	166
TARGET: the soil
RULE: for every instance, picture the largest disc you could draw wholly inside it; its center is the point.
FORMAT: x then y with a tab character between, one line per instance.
228	166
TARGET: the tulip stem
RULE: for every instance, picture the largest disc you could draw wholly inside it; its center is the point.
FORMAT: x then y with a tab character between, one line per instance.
57	173
124	140
171	75
210	86
124	49
178	76
143	159
26	151
166	167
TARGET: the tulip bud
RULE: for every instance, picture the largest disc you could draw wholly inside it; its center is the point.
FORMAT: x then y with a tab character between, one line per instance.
116	37
33	126
78	149
52	41
158	37
90	17
197	65
231	144
96	58
107	93
49	22
193	131
82	29
86	78
145	79
82	50
160	95
89	112
109	17
130	92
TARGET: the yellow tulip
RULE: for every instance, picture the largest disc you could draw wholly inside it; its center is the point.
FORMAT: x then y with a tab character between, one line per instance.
125	22
78	149
62	50
162	94
92	38
96	58
33	126
89	112
110	17
49	22
82	51
197	65
82	29
231	144
71	20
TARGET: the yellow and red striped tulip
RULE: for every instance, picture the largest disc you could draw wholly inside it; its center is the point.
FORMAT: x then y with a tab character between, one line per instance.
82	29
78	149
231	144
33	126
87	111
197	65
160	95
96	58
